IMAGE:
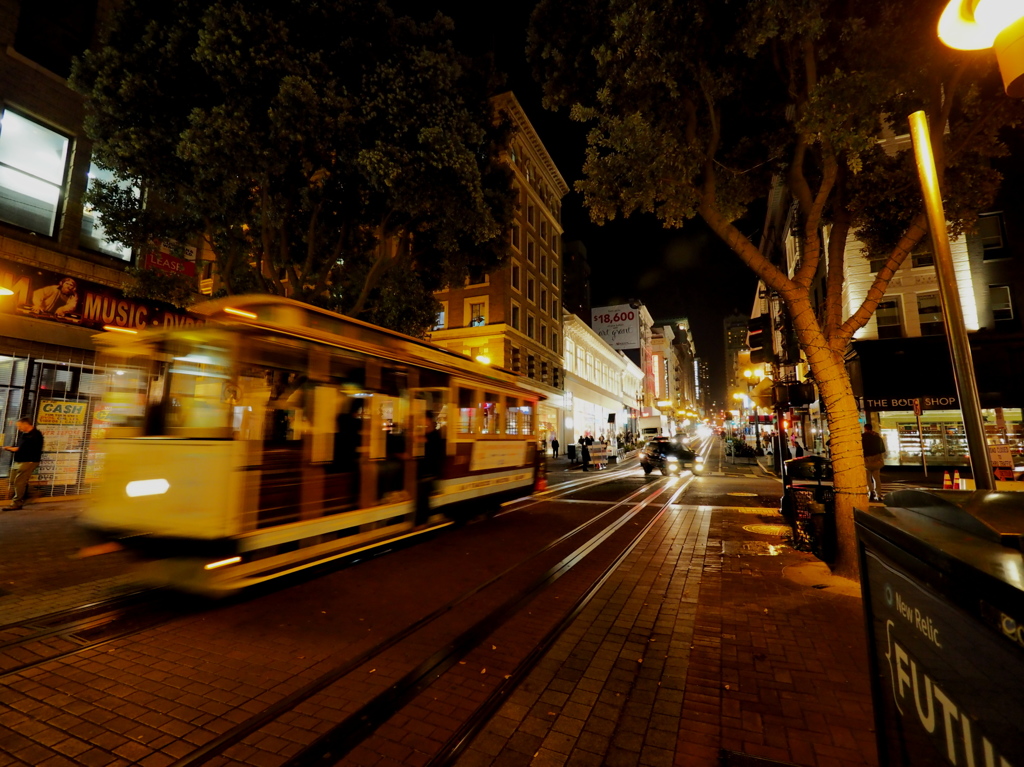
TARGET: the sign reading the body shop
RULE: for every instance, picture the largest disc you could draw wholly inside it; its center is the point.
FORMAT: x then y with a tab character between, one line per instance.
949	691
618	326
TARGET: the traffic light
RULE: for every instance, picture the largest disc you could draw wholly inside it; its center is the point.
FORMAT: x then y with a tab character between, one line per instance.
759	336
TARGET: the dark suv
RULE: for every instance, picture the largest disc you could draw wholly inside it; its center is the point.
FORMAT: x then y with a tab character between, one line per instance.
670	457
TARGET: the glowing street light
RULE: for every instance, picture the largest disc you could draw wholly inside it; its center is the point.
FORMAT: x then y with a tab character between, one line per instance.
971	25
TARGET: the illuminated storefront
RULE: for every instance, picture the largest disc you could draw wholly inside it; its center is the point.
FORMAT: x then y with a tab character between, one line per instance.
895	375
47	365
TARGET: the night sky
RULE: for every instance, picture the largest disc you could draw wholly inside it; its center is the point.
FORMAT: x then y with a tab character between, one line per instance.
676	273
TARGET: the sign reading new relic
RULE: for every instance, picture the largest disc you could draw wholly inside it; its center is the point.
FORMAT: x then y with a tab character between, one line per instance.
618	326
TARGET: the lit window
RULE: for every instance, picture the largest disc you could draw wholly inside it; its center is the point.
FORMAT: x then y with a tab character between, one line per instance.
33	160
489	411
93	235
1000	300
439	322
467	411
888	318
929	313
476	315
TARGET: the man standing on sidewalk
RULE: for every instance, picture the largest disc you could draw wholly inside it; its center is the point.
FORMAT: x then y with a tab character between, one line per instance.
874	460
26	458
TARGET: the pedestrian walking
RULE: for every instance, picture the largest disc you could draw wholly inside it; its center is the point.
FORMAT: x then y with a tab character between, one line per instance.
27	454
799	450
429	467
874	459
585	458
554	447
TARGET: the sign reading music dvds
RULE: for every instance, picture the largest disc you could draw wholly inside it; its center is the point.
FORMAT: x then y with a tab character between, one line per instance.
618	326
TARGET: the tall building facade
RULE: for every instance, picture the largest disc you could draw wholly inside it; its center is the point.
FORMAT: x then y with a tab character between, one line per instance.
513	318
735	326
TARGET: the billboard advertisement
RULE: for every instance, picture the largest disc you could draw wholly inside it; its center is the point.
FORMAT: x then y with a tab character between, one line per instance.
618	326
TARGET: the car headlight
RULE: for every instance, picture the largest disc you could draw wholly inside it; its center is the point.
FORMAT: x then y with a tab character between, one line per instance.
672	458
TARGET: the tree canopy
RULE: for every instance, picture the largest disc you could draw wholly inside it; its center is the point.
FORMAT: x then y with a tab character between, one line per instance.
330	151
701	107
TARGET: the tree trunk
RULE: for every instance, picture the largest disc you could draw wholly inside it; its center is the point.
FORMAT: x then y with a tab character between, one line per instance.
836	393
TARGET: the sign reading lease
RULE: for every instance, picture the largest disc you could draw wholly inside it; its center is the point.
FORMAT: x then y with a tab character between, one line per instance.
618	326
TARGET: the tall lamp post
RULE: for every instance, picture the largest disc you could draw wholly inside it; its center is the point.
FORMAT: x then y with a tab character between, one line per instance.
967	25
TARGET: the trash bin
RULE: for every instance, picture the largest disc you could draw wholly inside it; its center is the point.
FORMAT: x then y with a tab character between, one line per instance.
943	584
808	505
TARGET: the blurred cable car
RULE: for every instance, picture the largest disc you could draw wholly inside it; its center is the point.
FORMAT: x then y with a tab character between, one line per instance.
278	436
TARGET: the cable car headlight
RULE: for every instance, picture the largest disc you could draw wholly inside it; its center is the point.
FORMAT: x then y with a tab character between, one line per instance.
141	487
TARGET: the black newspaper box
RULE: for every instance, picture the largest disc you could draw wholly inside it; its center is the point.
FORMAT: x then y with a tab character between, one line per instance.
943	584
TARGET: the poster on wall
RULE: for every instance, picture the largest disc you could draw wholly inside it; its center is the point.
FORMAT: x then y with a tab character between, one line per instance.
55	297
59	468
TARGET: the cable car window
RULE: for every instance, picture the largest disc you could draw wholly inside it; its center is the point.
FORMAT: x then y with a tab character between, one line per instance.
512	416
467	411
489	409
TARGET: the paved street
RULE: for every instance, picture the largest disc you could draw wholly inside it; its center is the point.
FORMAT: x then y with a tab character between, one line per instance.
701	645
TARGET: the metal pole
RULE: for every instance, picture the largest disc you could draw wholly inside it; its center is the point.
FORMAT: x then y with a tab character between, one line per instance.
956	332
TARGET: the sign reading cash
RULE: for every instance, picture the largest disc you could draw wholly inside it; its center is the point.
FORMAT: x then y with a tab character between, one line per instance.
618	326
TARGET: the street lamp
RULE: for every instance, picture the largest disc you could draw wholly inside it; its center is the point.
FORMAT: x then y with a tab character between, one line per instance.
972	25
753	379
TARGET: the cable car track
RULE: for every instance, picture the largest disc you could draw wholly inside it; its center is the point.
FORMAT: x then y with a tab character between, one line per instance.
361	724
615	526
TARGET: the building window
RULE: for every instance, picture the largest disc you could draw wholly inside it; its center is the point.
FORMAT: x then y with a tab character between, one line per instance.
554	308
515	276
929	312
543	334
888	318
922	255
876	264
554	275
570	353
515	236
554	342
543	299
1001	302
529	288
93	235
529	325
515	315
439	323
477	315
543	264
33	161
990	229
530	250
529	213
554	243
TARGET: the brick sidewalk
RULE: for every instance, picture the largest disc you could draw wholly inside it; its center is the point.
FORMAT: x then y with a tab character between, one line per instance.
699	646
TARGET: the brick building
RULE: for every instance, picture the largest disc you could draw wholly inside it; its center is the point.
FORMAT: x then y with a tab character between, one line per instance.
513	318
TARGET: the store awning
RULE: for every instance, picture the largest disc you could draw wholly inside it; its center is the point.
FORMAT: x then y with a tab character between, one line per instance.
889	373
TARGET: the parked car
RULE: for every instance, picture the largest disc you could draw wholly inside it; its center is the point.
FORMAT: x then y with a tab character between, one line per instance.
669	457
